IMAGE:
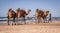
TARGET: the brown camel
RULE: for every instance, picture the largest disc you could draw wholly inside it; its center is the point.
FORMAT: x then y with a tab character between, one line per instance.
22	13
38	15
45	14
41	15
11	14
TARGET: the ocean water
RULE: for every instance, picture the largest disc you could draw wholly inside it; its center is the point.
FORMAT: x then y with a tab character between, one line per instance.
31	19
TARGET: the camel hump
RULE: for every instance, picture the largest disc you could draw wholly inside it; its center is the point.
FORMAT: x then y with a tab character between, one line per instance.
23	12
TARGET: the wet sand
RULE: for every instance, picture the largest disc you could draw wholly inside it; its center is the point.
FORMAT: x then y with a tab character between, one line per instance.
53	27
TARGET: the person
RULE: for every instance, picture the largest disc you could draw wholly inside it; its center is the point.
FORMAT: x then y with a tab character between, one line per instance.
49	18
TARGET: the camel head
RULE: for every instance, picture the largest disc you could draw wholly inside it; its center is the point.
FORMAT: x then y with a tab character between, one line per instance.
17	10
10	12
37	10
46	13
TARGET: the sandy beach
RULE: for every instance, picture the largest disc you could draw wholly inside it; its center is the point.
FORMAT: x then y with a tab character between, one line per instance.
53	27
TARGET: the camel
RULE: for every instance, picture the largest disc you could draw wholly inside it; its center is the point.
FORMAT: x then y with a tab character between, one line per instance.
41	15
38	15
11	14
22	13
45	14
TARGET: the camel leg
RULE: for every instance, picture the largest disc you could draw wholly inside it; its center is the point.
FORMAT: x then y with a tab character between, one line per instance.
44	20
41	20
14	20
17	21
38	21
8	20
24	20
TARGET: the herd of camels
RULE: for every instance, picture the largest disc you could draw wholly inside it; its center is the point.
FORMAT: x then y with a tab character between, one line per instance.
39	14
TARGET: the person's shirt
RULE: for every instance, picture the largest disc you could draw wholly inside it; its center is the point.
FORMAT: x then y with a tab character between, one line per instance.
49	16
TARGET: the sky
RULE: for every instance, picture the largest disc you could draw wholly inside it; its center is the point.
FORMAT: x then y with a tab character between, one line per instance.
52	5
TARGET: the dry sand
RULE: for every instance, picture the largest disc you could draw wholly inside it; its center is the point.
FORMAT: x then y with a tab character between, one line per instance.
53	27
